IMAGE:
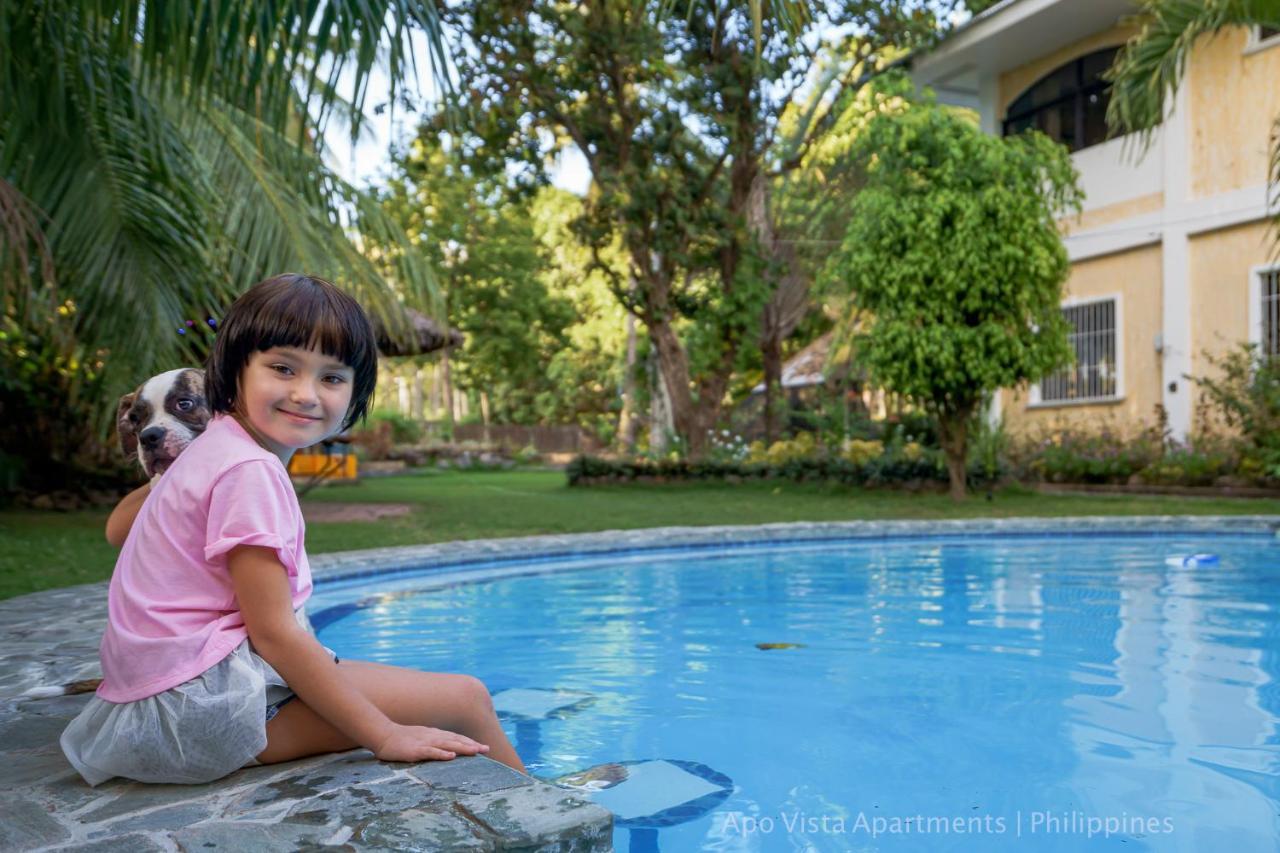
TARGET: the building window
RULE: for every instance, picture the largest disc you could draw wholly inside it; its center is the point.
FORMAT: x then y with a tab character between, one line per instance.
1069	105
1270	292
1094	373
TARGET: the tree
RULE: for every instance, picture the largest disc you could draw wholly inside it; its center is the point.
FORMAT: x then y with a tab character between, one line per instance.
952	261
677	118
1151	66
589	381
155	160
490	262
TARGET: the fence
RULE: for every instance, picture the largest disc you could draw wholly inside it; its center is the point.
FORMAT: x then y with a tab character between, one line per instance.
512	437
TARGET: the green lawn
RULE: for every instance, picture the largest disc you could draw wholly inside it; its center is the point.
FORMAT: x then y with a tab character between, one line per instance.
43	550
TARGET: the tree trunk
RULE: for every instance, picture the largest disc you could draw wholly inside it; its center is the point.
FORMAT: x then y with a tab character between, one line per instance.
660	423
447	382
416	394
786	306
953	435
771	349
673	364
628	421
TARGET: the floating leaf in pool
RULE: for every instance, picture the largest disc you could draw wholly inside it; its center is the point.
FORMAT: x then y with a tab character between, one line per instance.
766	647
595	778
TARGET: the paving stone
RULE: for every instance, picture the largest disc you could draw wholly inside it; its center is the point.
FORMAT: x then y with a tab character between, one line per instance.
540	815
27	825
418	829
56	706
66	791
469	774
136	843
127	797
355	804
172	818
248	837
271	798
32	731
22	769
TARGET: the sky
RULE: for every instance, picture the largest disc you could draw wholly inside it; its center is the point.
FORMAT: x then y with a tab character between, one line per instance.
367	160
364	162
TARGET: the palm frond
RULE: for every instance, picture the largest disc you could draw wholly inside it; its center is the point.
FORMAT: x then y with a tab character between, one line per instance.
283	208
1152	64
24	252
246	53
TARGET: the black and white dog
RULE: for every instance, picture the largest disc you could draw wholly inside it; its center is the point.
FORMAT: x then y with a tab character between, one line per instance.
159	419
156	422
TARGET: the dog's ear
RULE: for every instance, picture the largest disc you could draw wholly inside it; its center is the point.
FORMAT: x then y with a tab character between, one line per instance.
128	436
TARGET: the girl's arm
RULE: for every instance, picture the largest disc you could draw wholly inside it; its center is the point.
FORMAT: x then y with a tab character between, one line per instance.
121	519
262	592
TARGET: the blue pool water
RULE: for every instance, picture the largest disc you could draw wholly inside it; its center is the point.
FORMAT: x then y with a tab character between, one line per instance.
943	694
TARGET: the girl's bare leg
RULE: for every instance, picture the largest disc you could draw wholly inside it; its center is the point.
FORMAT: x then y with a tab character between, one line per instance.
457	703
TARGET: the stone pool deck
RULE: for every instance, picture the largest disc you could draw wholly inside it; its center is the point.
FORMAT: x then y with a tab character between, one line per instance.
350	800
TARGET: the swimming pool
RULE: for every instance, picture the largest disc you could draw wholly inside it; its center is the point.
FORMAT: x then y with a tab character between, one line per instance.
966	692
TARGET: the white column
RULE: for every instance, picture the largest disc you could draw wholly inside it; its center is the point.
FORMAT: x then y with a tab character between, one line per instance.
989	103
1175	273
994	408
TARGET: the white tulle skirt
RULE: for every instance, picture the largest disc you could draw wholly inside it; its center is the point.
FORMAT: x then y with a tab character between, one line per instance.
196	732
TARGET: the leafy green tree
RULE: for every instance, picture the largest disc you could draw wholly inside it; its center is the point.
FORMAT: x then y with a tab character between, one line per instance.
156	159
677	118
490	262
587	374
952	261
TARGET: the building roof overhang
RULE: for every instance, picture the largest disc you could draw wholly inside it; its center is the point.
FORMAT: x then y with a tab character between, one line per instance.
1010	34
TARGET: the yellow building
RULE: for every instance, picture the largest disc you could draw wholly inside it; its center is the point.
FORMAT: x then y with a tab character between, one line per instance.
1171	256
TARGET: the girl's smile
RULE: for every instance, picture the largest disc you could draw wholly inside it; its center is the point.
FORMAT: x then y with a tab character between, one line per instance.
291	398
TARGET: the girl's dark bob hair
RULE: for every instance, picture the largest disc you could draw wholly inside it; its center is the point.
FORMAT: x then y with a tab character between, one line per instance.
293	310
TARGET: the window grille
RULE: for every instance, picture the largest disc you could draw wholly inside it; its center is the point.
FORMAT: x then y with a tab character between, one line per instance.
1093	337
1271	312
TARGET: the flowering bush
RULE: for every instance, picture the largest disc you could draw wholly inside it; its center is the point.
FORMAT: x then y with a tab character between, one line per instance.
860	452
727	446
1190	466
782	452
1244	396
1071	456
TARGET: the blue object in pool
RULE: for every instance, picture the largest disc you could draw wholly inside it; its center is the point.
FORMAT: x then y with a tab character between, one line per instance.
1028	693
1192	560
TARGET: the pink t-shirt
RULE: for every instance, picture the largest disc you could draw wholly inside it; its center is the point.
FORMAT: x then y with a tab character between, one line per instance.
172	610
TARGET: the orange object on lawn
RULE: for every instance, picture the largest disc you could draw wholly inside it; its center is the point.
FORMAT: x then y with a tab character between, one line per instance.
326	466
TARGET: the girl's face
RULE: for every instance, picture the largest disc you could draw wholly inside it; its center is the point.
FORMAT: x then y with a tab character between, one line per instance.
294	398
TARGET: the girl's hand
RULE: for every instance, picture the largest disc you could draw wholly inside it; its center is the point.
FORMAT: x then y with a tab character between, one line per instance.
419	743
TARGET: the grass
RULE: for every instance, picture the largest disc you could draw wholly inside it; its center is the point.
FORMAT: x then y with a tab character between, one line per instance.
45	550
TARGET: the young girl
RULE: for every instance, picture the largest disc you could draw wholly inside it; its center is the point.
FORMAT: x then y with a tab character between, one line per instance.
207	640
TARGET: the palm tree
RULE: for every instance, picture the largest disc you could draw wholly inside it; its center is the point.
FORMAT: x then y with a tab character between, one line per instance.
155	159
1151	66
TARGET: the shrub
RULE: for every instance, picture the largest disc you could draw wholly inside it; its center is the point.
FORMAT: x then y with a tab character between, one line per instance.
1189	466
989	452
374	442
1245	396
1070	456
859	452
404	430
782	452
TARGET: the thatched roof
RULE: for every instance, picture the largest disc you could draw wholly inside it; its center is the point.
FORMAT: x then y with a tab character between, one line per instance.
427	337
809	367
